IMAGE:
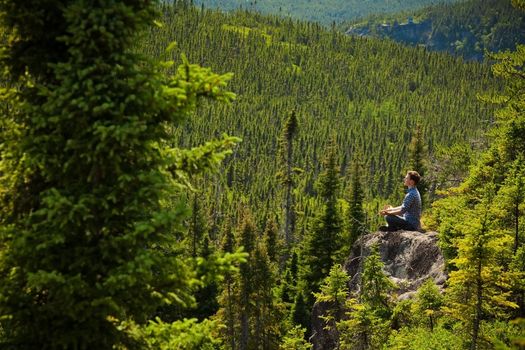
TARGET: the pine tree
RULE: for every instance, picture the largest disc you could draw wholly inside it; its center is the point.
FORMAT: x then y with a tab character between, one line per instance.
197	225
301	310
368	318
511	200
375	285
88	174
246	238
271	241
429	302
267	311
334	292
417	155
324	240
480	286
356	214
229	308
288	288
294	340
289	132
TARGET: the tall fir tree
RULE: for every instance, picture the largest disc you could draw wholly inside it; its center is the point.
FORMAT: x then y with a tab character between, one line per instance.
356	214
246	238
286	157
417	160
429	301
481	284
88	173
268	311
228	310
324	238
367	324
375	286
271	241
197	229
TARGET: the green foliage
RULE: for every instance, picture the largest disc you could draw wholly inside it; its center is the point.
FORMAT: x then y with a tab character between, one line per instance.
326	12
363	328
324	239
481	285
294	340
429	301
356	213
464	28
335	287
418	153
503	335
368	320
90	177
187	334
249	307
301	310
375	285
286	174
272	242
423	338
370	98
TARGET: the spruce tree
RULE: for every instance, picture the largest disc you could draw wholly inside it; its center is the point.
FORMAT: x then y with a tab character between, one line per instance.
288	287
87	173
246	237
429	302
267	311
375	285
368	318
197	229
324	239
417	155
272	242
227	300
334	292
481	284
356	214
286	158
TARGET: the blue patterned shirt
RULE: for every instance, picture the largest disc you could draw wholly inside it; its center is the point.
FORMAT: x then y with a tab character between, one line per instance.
411	207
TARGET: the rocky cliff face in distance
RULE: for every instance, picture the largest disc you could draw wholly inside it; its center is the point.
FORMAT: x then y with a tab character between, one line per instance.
410	258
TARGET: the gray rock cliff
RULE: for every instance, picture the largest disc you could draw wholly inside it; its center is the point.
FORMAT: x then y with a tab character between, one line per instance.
409	257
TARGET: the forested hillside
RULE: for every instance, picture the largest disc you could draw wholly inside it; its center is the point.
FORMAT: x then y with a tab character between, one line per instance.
133	216
367	95
322	11
466	29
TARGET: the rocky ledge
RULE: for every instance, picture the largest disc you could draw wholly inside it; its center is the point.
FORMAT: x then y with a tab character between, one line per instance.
410	258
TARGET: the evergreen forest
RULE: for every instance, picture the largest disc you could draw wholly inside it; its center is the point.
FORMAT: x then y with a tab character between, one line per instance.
469	29
326	12
177	177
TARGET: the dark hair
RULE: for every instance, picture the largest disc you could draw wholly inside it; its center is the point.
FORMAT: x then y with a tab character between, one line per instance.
414	175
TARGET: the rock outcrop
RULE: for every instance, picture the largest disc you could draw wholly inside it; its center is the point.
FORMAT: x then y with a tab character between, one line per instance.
409	257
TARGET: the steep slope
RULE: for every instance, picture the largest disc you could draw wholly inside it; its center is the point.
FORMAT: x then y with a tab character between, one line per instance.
466	29
323	11
366	94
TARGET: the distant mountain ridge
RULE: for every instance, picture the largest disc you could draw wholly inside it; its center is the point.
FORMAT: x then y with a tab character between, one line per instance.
464	29
322	11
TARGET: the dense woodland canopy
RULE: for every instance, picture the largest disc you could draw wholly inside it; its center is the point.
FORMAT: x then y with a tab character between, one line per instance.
368	95
127	221
467	28
323	11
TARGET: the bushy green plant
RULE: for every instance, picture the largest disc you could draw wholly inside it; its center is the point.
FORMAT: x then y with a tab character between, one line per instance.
417	338
90	179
